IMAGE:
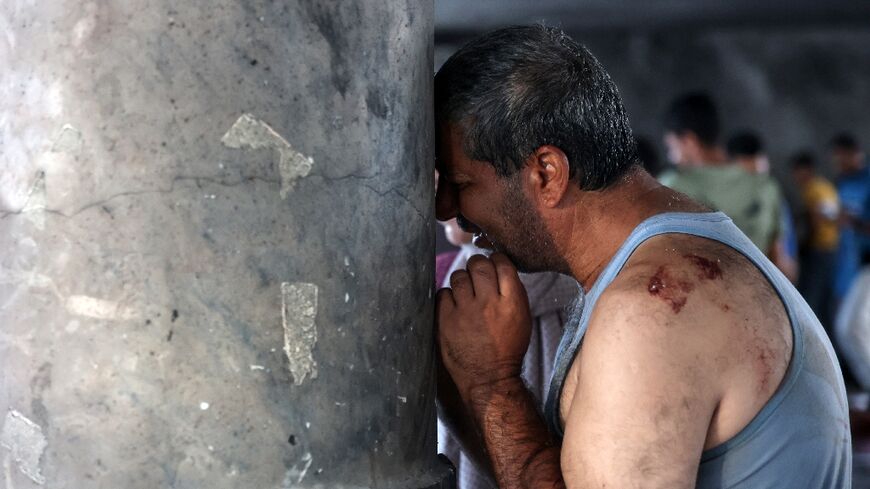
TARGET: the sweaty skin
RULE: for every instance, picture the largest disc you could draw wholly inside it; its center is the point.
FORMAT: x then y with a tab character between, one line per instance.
688	399
682	350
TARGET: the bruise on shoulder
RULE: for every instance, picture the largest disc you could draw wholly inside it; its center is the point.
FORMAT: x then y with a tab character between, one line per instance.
707	269
674	290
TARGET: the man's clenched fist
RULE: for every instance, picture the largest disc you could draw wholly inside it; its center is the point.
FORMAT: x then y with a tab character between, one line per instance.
484	323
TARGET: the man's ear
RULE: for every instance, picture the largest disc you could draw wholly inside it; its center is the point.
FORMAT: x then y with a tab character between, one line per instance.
549	175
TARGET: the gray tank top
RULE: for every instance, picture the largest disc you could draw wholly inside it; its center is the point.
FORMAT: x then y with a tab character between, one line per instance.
800	438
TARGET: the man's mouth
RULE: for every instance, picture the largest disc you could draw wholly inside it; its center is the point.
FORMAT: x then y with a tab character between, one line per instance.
466	225
479	238
481	241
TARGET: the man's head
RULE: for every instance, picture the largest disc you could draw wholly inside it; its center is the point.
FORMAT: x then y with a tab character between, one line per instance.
803	167
525	115
846	153
691	129
745	148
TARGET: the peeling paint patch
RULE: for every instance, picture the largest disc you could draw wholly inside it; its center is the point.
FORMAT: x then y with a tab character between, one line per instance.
298	313
68	141
34	207
24	439
250	132
297	472
82	305
7	470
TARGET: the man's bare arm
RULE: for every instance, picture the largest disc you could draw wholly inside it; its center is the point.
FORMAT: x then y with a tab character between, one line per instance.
641	418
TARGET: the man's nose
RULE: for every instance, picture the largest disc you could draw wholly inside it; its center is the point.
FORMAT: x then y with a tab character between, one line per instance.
446	206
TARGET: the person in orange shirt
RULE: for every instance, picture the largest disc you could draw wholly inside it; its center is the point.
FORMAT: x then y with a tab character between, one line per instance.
819	250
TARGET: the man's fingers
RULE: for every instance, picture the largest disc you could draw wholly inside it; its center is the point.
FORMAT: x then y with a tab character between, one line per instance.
444	295
508	278
461	284
483	275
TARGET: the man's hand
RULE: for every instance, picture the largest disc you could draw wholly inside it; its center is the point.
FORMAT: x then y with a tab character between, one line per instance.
484	327
484	324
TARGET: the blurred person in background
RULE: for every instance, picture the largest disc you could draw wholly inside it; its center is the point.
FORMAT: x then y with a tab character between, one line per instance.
746	149
852	335
552	297
819	249
851	283
691	133
649	157
704	173
853	187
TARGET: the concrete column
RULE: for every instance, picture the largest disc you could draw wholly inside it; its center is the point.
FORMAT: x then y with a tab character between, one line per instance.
216	231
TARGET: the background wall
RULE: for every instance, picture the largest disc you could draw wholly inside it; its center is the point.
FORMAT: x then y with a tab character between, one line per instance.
796	87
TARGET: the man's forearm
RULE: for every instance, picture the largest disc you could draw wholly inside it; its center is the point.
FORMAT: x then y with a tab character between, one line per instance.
520	449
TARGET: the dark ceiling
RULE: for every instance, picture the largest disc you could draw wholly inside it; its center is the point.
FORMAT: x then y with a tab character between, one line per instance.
456	20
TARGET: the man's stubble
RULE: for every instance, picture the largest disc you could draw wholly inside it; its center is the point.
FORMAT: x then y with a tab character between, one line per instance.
525	238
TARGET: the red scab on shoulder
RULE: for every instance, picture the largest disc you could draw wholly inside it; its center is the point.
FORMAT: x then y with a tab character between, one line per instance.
674	292
707	269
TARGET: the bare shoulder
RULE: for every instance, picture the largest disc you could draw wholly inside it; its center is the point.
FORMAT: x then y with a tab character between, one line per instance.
705	318
671	305
646	376
683	349
696	280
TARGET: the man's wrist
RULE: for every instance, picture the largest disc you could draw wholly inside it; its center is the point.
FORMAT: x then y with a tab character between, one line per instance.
495	390
480	379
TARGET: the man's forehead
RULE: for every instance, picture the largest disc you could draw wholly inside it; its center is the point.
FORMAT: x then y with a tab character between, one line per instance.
451	159
459	167
449	155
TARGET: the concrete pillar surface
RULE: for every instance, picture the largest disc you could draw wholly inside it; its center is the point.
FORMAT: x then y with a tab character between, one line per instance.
216	234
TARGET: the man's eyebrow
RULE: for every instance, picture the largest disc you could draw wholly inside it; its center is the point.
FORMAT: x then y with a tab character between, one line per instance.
457	176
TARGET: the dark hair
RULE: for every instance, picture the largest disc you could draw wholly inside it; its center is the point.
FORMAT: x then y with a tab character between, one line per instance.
516	89
744	143
845	140
694	112
803	160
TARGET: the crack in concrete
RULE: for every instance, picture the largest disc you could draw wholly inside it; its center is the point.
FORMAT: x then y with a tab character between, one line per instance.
384	193
4	213
349	176
401	196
